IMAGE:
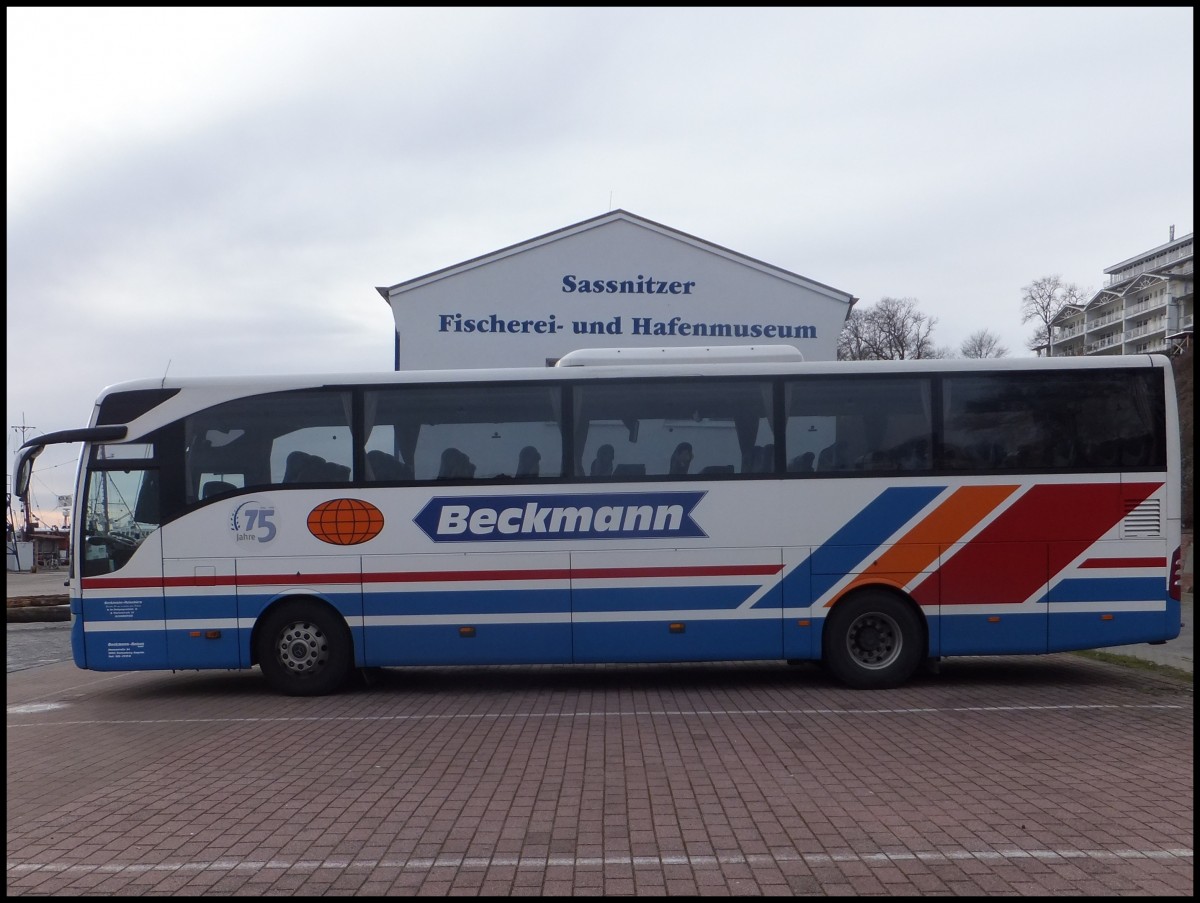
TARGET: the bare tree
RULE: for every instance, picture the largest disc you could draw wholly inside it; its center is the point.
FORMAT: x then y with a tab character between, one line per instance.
982	343
1043	300
852	342
892	330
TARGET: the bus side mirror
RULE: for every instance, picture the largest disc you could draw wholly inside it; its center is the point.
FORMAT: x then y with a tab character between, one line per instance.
23	469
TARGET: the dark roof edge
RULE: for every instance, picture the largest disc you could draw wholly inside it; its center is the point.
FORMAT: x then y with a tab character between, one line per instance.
386	291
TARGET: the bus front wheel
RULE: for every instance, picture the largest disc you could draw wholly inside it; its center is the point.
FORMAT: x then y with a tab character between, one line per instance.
304	649
873	641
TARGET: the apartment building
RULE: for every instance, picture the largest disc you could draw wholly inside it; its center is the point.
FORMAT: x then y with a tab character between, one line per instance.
1146	305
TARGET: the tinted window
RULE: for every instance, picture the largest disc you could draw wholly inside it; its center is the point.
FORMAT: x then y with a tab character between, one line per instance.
667	428
1097	420
467	432
283	437
851	424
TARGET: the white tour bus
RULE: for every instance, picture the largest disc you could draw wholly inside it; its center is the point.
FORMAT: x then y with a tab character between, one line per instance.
627	505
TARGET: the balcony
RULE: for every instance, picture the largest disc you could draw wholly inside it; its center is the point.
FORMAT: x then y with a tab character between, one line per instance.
1147	328
1106	342
1146	307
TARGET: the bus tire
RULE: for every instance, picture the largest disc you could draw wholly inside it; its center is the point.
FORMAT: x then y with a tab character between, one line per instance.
304	648
873	640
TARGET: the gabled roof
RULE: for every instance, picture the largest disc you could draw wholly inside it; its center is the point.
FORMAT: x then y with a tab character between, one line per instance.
604	219
1068	311
1114	293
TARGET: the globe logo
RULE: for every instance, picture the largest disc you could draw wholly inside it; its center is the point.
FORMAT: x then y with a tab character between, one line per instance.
345	522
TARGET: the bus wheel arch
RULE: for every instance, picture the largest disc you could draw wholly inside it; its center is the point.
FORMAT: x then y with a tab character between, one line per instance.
874	638
303	646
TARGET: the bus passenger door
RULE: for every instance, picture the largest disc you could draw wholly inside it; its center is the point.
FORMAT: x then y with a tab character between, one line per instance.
677	605
200	602
119	623
477	608
121	609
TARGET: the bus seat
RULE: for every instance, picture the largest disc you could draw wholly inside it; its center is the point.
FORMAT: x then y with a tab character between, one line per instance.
455	465
386	467
602	466
801	463
300	467
217	487
528	462
335	473
833	457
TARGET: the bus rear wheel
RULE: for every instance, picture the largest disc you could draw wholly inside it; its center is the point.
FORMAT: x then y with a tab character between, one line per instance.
873	641
304	649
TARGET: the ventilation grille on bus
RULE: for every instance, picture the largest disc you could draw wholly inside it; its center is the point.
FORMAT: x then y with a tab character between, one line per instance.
1142	520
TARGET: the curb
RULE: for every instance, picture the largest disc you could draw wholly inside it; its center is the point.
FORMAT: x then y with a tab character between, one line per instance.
31	614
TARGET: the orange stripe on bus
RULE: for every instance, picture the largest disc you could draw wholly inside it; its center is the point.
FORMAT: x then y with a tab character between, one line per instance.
921	545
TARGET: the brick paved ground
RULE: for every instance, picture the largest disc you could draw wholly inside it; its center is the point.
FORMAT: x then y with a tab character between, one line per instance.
1030	776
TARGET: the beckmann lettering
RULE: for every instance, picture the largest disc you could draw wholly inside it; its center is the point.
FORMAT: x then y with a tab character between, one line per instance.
610	515
643	285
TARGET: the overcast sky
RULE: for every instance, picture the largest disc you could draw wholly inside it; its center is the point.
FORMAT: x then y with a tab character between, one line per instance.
216	191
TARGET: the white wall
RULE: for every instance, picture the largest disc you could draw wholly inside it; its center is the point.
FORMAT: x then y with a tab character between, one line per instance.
523	311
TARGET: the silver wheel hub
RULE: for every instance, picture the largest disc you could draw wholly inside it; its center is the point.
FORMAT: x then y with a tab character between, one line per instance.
874	640
303	647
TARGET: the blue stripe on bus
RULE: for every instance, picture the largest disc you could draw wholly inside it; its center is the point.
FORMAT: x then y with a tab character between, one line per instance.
522	601
846	550
1108	589
697	641
489	644
666	599
1087	631
797	585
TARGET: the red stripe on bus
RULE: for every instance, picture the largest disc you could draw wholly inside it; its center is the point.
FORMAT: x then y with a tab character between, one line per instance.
753	570
121	583
715	570
451	576
1125	563
1030	542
